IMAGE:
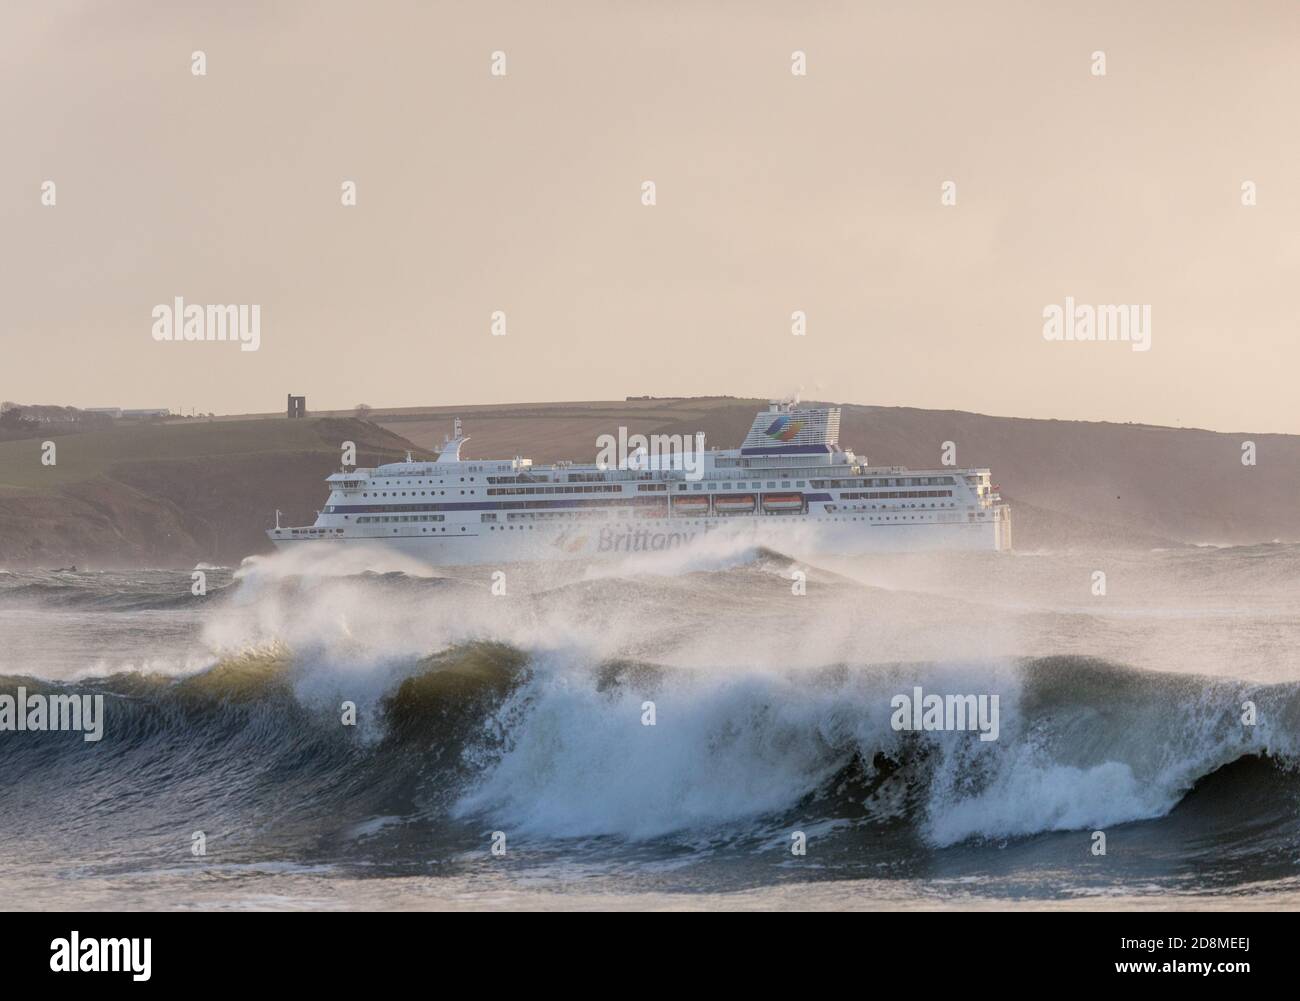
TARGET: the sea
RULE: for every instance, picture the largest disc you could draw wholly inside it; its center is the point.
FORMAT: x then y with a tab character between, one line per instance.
716	728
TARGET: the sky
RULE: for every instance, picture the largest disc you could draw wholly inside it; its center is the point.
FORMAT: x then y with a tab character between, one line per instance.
775	193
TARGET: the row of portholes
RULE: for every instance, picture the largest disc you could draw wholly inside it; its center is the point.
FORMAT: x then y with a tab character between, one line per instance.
420	483
901	517
694	521
396	530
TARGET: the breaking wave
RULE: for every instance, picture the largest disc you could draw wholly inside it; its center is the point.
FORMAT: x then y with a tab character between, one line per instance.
488	731
704	710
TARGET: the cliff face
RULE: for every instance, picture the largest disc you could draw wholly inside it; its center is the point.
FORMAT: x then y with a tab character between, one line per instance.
176	494
172	495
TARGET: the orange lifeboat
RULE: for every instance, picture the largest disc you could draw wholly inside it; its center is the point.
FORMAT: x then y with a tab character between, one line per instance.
783	502
734	504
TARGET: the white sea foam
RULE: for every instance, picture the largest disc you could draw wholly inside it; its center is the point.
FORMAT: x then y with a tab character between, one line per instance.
733	746
763	695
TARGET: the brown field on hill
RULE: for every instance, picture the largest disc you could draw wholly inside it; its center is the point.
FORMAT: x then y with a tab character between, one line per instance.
170	494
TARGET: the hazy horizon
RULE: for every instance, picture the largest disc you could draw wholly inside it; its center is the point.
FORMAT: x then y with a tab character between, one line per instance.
775	193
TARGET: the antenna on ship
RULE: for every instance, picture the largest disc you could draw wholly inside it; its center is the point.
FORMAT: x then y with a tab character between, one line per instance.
277	517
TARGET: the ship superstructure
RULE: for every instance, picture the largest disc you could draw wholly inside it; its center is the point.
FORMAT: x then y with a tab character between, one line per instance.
789	486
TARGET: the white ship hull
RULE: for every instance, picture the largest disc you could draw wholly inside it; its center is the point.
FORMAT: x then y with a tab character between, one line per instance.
789	488
795	536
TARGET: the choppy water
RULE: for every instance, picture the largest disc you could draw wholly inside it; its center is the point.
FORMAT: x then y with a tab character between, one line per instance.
523	714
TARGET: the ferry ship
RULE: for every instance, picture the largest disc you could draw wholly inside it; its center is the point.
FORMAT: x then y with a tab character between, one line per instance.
789	486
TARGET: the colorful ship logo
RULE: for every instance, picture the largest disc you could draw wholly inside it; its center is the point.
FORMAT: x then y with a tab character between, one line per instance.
569	543
784	429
